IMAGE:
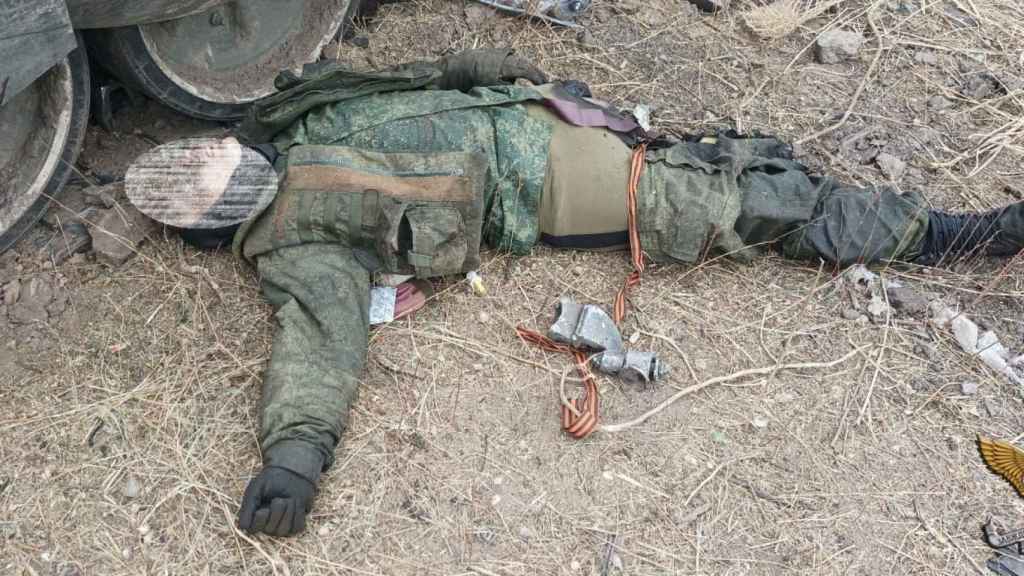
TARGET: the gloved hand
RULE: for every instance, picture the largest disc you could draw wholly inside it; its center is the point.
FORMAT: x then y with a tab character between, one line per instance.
486	67
276	502
515	67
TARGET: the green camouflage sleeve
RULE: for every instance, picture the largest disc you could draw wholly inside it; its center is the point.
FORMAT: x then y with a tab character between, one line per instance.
320	294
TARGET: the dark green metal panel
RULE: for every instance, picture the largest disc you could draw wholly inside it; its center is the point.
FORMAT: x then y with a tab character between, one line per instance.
34	35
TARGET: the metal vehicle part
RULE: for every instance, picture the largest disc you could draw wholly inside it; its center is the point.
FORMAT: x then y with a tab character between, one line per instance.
34	36
212	64
43	127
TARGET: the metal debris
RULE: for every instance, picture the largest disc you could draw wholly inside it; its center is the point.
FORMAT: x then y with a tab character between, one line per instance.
590	327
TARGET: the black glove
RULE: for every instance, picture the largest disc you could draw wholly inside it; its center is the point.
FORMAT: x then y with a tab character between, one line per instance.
515	67
276	502
486	67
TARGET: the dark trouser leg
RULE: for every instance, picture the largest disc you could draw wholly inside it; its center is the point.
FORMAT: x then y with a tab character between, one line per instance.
850	225
999	232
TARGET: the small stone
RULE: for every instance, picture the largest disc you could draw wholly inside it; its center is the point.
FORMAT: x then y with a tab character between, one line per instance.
104	196
968	388
577	271
574	565
958	17
118	232
927	57
495	500
483	317
634	337
835	46
144	529
759	422
324	530
892	167
524	533
924	350
785	397
126	553
939	103
982	86
906	299
711	6
35	298
851	314
585	38
131	488
12	290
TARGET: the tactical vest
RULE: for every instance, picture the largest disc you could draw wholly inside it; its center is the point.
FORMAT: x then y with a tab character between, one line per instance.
404	213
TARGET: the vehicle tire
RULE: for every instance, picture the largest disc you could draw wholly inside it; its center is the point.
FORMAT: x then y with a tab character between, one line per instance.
43	128
212	65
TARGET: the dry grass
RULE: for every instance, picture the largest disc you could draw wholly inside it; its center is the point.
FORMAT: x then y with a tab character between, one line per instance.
781	18
454	462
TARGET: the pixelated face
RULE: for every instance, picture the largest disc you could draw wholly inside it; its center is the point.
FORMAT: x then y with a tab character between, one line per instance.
211	166
216	164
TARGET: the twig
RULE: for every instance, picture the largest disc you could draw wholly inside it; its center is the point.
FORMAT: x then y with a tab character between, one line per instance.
720	379
860	88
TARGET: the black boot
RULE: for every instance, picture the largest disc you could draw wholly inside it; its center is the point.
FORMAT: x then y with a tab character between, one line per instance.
999	232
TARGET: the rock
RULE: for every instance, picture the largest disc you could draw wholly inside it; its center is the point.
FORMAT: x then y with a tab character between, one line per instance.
968	388
73	239
925	350
483	317
851	313
105	196
759	422
891	166
906	300
711	6
939	103
118	232
836	46
577	271
524	533
131	488
927	57
37	297
958	17
902	7
981	86
12	291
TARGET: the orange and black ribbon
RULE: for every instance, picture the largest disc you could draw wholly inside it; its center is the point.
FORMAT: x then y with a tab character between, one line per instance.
583	421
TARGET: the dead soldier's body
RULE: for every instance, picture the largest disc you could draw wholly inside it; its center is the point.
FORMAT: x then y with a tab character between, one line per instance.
410	170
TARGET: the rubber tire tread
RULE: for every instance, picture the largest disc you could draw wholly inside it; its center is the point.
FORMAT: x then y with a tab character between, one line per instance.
123	52
78	63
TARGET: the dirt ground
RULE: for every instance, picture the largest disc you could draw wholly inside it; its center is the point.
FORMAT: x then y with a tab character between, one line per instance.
129	394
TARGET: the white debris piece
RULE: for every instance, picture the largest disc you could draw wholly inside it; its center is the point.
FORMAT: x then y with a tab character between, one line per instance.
382	304
984	345
642	113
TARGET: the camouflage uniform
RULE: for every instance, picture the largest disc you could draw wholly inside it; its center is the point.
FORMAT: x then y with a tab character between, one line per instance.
384	172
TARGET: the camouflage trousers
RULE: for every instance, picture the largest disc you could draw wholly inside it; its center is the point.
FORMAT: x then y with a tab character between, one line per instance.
738	195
